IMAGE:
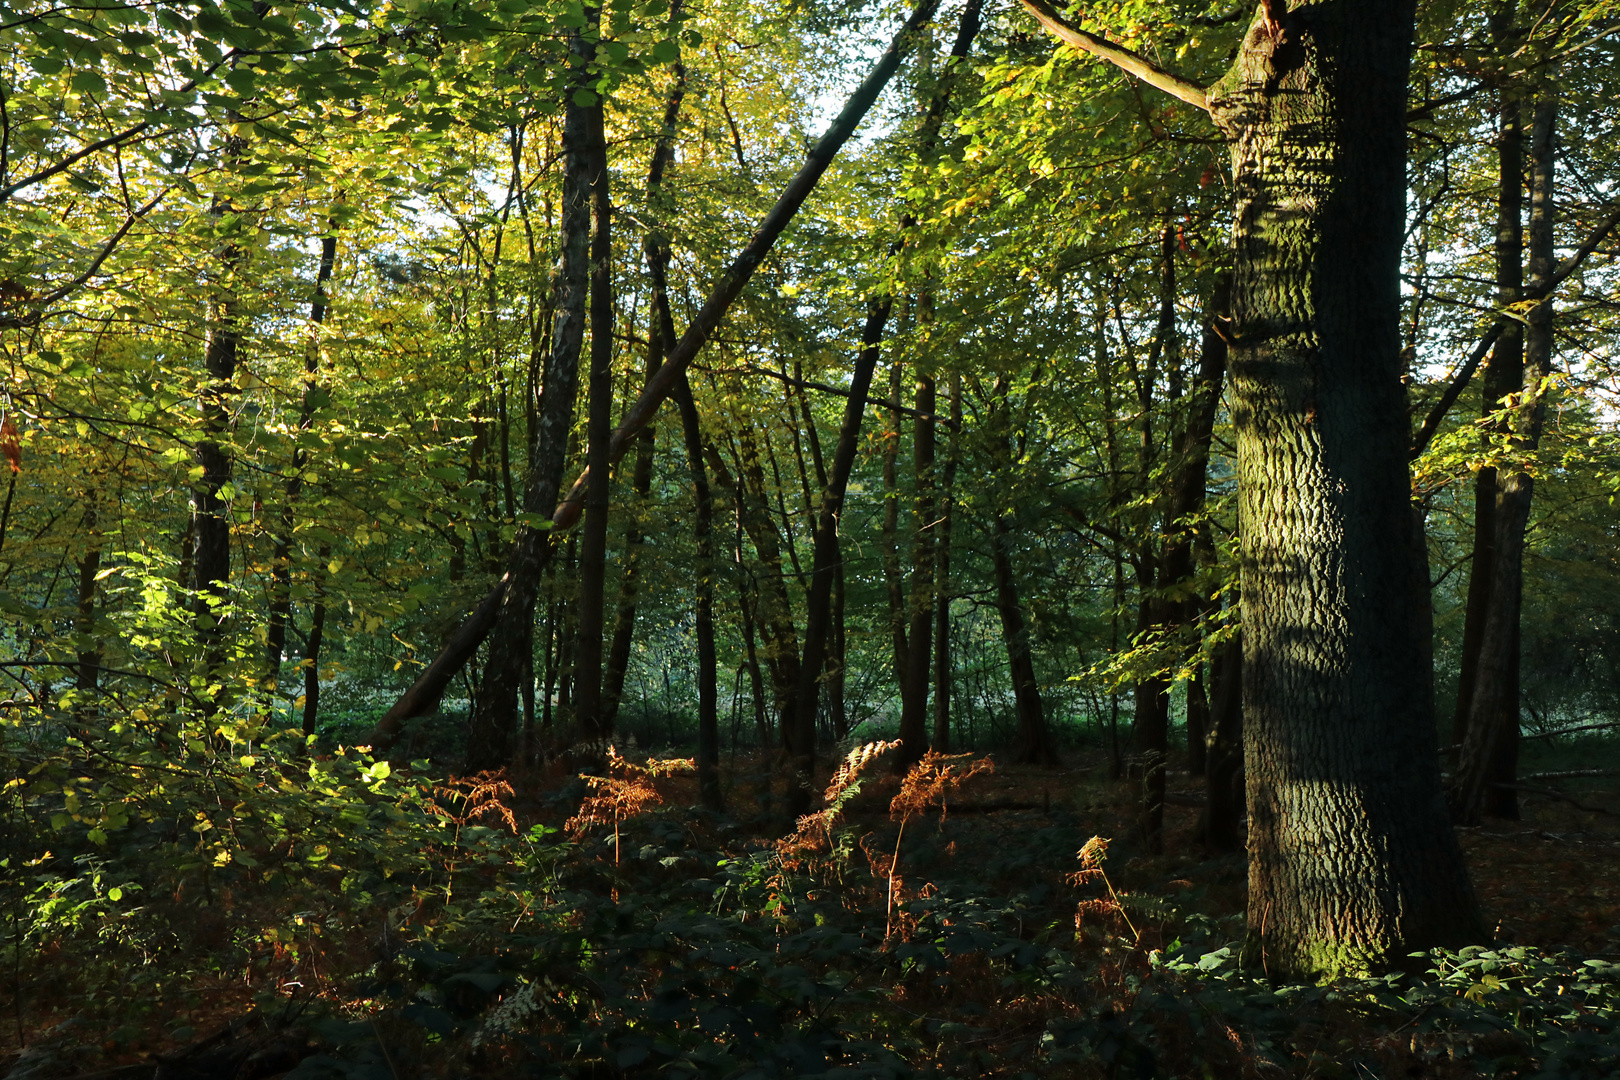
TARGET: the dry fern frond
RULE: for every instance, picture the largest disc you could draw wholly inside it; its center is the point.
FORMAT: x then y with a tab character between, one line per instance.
814	830
1091	859
932	780
479	796
613	799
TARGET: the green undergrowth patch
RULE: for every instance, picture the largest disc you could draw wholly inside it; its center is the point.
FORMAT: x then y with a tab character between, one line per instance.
421	928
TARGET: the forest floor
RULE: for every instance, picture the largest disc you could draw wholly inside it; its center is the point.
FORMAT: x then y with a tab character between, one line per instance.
910	992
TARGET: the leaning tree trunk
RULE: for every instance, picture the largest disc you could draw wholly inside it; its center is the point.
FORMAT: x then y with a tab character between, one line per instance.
1353	863
1493	722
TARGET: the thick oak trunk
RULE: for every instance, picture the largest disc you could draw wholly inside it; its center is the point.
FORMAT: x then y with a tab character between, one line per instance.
1352	861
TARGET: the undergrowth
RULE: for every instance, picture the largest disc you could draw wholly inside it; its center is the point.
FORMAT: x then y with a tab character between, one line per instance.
425	928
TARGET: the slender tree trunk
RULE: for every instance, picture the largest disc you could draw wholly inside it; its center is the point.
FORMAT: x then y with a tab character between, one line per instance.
825	559
836	704
84	623
1503	375
211	526
1185	528
703	612
509	608
588	711
1353	863
1221	828
275	645
942	578
919	638
891	527
1034	743
1490	751
1160	568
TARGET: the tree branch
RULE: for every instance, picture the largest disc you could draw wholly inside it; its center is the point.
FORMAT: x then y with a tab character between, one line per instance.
1459	382
1132	63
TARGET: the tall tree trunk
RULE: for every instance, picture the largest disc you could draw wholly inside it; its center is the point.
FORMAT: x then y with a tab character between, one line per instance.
509	608
825	559
1034	743
889	536
211	526
1503	375
1159	568
1220	828
588	711
920	637
1490	751
942	578
275	645
84	623
1353	863
1186	530
703	609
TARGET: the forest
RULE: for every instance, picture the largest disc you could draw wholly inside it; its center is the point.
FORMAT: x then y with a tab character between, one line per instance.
714	539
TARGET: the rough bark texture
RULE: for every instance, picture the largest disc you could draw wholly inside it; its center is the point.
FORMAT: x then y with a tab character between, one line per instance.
1352	863
1490	747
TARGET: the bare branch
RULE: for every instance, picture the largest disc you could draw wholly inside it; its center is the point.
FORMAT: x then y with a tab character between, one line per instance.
1132	63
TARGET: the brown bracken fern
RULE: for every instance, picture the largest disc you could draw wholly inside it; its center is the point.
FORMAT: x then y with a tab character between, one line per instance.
624	793
1091	872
